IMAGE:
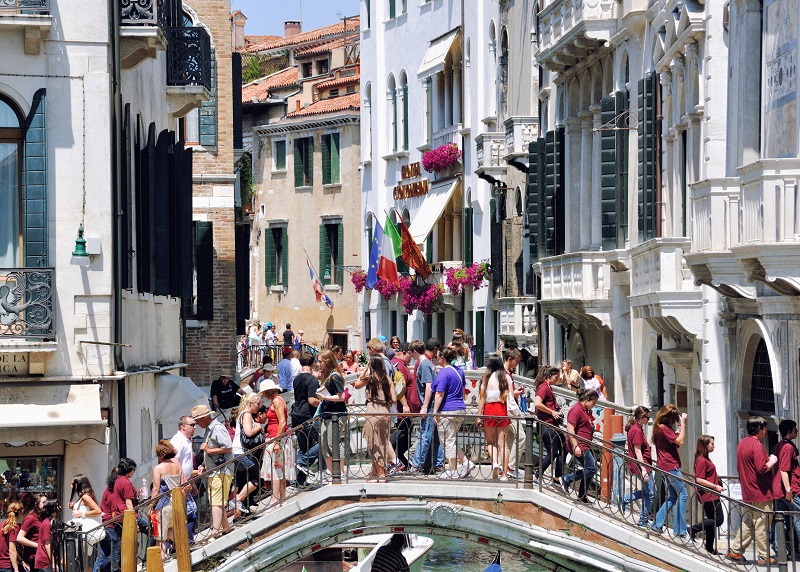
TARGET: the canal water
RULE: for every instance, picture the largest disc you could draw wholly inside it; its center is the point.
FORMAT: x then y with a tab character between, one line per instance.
465	556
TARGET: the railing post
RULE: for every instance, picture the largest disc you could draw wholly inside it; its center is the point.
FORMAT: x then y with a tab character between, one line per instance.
128	548
154	562
529	452
336	472
180	530
780	541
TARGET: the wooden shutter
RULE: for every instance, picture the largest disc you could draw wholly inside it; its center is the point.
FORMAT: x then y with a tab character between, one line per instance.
285	257
144	212
622	142
608	175
559	195
479	337
326	159
308	160
647	156
392	9
340	254
468	235
208	110
270	262
298	162
236	94
34	184
535	200
127	202
550	184
280	155
160	248
428	249
325	270
335	163
186	220
204	268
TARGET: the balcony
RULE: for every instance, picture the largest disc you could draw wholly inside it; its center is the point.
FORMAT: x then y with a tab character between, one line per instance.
449	301
490	149
447	135
518	322
716	230
570	30
188	68
142	29
662	287
575	287
32	16
769	248
520	131
26	303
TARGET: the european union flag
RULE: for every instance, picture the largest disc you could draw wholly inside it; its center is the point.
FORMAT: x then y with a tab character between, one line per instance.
374	256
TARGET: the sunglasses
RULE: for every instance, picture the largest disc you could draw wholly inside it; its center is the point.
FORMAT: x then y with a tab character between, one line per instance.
191	424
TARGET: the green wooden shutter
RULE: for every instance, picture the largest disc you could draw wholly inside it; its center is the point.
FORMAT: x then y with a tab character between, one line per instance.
204	268
622	142
308	161
324	255
340	254
549	229
647	157
392	9
559	196
335	163
429	249
298	162
127	202
280	155
496	243
468	235
208	110
270	278
535	202
395	137
161	224
34	184
285	256
608	175
326	159
479	338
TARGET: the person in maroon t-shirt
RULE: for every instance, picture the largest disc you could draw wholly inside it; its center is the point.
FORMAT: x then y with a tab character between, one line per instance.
548	414
705	475
580	423
43	562
119	496
756	481
666	442
787	485
28	535
401	436
639	449
9	560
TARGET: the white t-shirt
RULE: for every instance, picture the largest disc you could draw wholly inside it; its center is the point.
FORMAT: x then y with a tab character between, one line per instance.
185	454
296	368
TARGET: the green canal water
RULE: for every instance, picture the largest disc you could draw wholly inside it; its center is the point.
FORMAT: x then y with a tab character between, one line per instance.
464	556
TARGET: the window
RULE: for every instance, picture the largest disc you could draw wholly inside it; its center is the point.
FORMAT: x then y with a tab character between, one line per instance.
308	69
10	187
322	67
330	159
276	261
279	156
404	110
191	127
392	97
203	266
428	110
331	252
334	93
303	162
367	14
392	9
762	394
351	89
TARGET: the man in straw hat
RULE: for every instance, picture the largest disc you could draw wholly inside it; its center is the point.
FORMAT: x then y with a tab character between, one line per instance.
218	448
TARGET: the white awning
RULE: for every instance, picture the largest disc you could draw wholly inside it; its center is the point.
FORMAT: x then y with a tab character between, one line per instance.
50	413
431	210
433	62
175	397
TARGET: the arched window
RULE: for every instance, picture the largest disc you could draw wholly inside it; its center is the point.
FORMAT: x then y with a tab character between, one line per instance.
404	111
391	96
10	185
762	396
518	201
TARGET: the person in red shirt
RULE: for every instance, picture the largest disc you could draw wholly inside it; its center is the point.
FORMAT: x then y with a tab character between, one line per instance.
580	423
118	497
43	562
639	449
667	442
9	559
28	535
401	436
705	475
756	481
788	487
549	416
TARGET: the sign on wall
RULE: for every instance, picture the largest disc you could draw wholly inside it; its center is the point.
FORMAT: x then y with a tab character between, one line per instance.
14	363
407	190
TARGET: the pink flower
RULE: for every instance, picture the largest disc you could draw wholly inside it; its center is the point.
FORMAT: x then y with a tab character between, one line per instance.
458	278
359	280
441	158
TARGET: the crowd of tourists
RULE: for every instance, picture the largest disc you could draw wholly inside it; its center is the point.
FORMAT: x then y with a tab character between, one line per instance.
260	341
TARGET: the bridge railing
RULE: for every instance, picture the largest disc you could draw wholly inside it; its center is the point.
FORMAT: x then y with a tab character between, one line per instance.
365	446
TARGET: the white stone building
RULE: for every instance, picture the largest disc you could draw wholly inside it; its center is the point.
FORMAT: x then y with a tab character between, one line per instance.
89	344
424	70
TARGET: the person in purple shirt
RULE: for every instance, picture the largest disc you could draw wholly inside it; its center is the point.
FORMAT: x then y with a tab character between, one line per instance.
448	389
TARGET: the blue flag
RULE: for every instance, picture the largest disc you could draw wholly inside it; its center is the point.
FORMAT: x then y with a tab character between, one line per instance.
374	256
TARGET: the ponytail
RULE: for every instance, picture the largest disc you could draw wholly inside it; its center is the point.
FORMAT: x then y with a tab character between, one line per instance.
10	522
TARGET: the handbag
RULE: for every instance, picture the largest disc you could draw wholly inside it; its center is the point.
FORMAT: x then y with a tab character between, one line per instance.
249	443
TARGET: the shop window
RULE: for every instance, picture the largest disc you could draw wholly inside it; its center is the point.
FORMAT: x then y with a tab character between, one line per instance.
29	475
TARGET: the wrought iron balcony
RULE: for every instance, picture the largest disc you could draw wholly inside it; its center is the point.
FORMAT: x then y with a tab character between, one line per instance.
146	13
188	56
26	303
26	7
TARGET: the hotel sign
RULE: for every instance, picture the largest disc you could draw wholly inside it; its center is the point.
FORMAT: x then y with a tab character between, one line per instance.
14	363
411	189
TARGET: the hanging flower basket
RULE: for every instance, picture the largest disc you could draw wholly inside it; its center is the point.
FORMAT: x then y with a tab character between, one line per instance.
459	278
386	288
441	158
359	280
426	298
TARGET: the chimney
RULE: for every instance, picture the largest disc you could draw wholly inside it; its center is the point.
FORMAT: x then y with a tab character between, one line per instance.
292	28
297	105
237	22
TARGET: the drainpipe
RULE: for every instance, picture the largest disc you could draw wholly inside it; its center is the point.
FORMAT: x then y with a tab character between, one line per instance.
116	205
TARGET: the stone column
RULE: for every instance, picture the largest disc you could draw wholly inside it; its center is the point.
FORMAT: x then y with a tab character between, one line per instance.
401	119
596	191
428	111
366	148
457	93
572	173
436	111
448	98
585	230
391	120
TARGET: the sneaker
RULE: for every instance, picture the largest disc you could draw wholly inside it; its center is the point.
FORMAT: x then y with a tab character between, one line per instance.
647	524
565	486
466	469
654	530
765	561
735	556
449	475
291	489
503	479
303	470
238	505
396	467
327	476
515	474
412	470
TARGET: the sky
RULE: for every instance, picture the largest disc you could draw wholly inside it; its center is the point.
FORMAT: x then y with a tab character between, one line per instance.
266	17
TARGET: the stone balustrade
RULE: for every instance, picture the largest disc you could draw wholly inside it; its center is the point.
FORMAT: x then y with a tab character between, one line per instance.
575	276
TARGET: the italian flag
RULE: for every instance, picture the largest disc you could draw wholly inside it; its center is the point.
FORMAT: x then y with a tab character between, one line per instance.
390	250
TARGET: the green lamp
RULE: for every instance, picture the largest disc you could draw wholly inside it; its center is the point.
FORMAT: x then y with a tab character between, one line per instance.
79	256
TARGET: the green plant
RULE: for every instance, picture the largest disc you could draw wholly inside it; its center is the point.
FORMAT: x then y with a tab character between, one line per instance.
245	167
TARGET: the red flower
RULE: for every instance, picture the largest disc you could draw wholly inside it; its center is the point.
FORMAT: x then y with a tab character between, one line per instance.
441	158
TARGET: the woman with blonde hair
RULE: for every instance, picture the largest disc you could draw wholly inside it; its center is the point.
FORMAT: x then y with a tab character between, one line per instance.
247	435
331	394
666	442
9	560
167	475
492	394
380	397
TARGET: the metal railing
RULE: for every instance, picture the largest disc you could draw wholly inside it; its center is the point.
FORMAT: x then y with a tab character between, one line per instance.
386	447
26	302
188	56
148	13
251	356
38	7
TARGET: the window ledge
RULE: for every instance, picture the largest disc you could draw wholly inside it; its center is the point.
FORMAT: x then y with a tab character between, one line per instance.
306	189
278	171
396	155
332	186
333	288
424	147
277	289
196	323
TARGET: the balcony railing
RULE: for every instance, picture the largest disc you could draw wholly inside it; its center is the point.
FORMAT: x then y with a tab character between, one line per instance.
716	214
26	303
582	276
520	131
188	56
490	147
769	201
518	316
657	267
27	7
146	12
447	135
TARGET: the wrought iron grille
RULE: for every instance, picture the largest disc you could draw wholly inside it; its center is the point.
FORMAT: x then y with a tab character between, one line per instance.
188	56
148	12
26	303
762	396
25	6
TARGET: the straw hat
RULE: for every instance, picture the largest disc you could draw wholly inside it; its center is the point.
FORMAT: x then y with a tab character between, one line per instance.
267	385
199	411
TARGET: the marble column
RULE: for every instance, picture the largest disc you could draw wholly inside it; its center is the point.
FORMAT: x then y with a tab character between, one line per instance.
428	102
585	232
456	93
401	119
596	191
436	111
448	98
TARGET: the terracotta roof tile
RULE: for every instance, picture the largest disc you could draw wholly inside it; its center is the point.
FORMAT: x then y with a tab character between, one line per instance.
253	40
304	37
259	89
349	80
328	46
344	103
